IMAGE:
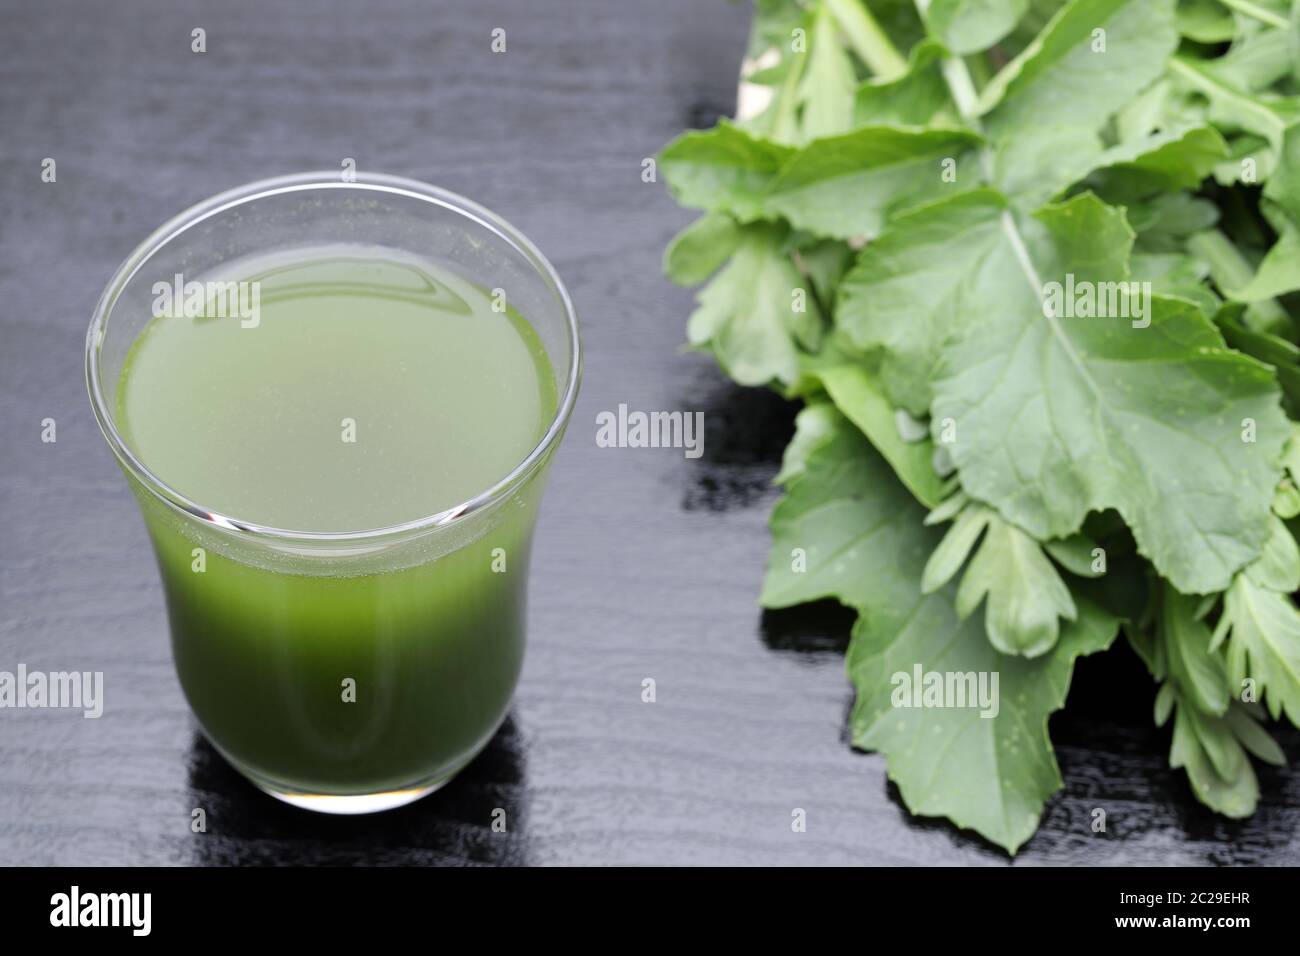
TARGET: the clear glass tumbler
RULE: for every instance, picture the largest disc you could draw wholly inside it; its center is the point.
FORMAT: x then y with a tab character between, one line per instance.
416	614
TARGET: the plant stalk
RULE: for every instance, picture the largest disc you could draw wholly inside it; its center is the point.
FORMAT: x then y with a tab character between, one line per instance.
869	41
1256	12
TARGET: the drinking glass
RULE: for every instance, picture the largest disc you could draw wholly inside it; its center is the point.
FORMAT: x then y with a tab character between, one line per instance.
268	624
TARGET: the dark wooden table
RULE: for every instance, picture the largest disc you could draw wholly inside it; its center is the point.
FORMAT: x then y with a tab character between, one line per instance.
646	564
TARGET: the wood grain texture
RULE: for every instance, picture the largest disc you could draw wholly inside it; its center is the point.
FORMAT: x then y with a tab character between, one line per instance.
646	564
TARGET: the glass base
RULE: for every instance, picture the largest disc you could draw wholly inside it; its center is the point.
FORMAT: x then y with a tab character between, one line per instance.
352	804
356	803
346	804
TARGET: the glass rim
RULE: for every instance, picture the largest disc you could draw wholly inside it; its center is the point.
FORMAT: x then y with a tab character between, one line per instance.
302	182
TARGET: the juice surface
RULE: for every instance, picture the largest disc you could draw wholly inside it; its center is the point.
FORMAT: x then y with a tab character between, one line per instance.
447	396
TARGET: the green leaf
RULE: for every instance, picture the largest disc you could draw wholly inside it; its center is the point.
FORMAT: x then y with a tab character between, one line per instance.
1063	71
847	186
1040	164
1242	147
1145	114
1278	566
701	248
1175	274
914	99
989	774
1283	187
955	548
1160	163
829	82
825	261
1066	83
1026	596
772	23
1077	554
1164	703
946	511
969	26
1286	500
1278	273
1245	725
1056	417
1205	21
908	288
1257	59
1164	222
856	532
1210	750
749	314
1233	107
1151	651
724	169
858	395
1261	626
1197	670
778	121
816	422
1264	645
1291	456
1293	32
1276	351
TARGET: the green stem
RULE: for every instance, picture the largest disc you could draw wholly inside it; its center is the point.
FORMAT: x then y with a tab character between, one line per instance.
869	41
1255	11
961	88
785	128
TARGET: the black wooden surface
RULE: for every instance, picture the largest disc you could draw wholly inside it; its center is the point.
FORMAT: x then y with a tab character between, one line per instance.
646	564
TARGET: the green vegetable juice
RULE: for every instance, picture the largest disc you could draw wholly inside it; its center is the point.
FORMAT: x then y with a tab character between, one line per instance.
371	391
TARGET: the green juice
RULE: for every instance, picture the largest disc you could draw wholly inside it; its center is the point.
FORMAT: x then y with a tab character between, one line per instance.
372	391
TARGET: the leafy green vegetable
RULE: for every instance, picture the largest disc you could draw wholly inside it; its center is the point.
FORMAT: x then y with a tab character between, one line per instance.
862	541
1032	265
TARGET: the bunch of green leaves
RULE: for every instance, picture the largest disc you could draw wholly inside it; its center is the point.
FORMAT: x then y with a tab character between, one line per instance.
991	485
